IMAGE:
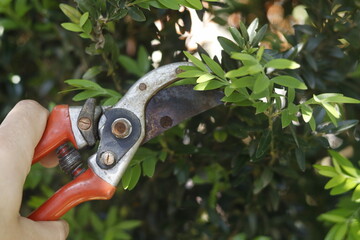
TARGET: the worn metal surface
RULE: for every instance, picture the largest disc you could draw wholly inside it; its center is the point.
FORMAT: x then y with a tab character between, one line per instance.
173	105
87	121
74	113
135	100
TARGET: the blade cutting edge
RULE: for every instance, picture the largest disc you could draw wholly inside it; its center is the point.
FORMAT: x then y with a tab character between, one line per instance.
172	105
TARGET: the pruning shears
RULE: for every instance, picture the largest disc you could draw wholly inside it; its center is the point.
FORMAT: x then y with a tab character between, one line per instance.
149	108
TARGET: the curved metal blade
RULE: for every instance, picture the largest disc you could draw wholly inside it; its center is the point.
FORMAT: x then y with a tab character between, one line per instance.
172	105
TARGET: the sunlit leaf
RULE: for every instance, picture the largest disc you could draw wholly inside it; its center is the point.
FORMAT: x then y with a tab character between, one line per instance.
282	64
209	85
288	81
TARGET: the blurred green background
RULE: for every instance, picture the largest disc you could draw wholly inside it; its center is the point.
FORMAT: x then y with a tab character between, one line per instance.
207	183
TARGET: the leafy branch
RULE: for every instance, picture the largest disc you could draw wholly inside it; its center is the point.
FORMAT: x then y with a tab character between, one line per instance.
261	80
345	177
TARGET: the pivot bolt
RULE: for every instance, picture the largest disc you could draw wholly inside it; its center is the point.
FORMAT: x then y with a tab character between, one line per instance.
84	123
107	158
121	128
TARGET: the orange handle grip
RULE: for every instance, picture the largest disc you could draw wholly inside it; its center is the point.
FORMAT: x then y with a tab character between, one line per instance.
88	186
57	132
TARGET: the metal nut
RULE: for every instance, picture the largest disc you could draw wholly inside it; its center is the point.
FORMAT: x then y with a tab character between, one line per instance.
107	158
84	123
121	128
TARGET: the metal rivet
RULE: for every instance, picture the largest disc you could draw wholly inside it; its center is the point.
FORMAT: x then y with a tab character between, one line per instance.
107	158
84	123
121	128
166	122
142	86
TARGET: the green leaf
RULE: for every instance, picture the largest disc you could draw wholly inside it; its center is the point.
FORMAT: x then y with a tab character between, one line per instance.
9	24
245	70
171	4
247	81
341	127
85	35
143	60
259	36
356	194
331	110
214	66
334	216
196	62
228	45
326	171
148	166
126	178
92	72
136	14
111	217
260	53
130	65
331	234
128	225
244	57
288	81
237	36
336	98
82	83
190	74
306	112
264	143
341	231
205	77
335	181
282	64
86	94
240	72
344	163
21	8
286	118
261	107
196	4
96	223
135	176
263	181
111	101
209	85
163	156
83	19
300	159
87	28
312	124
234	97
240	236
291	94
244	32
220	135
72	27
72	13
346	186
261	83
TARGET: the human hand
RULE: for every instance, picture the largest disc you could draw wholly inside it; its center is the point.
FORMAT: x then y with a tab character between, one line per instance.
19	134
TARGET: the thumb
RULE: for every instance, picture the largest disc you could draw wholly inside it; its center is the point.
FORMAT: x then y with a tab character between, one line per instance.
55	230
